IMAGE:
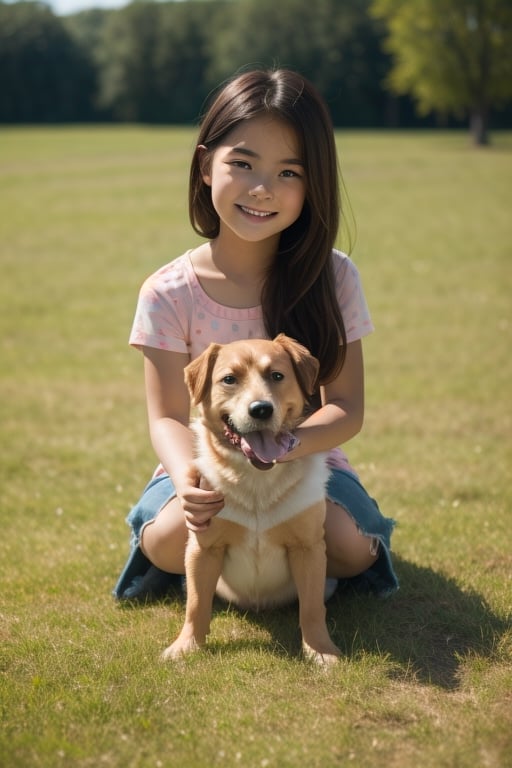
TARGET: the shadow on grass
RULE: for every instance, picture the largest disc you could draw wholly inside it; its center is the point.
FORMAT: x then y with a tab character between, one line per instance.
428	627
425	630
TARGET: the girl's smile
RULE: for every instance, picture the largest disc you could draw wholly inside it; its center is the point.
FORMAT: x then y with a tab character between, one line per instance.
257	179
251	212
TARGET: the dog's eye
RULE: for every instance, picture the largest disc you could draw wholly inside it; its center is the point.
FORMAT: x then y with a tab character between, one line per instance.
276	376
229	379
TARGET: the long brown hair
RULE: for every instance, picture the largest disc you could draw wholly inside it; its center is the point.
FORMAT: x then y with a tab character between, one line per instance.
298	297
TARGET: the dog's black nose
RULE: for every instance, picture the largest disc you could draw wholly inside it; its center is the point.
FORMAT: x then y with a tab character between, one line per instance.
261	409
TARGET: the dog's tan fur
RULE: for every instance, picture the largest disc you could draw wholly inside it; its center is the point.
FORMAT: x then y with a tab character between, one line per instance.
266	546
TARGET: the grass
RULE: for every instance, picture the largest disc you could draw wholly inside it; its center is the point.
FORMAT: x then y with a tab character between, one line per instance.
426	677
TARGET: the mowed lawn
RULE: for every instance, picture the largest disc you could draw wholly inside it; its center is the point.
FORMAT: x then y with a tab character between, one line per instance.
426	677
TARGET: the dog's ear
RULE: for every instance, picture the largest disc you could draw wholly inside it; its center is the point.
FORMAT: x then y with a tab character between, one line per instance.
305	365
198	373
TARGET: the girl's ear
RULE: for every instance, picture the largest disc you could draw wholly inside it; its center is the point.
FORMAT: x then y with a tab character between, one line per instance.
204	164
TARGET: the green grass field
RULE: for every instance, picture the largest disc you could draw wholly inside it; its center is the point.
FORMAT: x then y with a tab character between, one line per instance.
426	677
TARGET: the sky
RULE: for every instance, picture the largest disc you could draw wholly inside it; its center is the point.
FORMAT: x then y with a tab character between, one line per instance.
65	7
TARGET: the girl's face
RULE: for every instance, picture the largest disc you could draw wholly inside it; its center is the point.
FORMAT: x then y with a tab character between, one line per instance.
257	179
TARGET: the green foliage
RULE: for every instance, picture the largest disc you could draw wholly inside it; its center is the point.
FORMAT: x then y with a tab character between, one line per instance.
425	677
334	44
453	56
157	61
44	75
152	58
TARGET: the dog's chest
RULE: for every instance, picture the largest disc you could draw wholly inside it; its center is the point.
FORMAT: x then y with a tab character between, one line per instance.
256	573
263	500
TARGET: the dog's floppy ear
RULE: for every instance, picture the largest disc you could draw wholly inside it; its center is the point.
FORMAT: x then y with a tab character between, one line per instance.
305	365
198	373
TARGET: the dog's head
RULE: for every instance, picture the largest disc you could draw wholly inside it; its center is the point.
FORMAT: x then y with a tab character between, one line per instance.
251	394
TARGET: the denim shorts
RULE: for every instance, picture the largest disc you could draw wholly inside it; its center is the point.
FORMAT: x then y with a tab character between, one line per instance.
343	488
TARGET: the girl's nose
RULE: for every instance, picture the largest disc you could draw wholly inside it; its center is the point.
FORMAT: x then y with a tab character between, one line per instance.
261	191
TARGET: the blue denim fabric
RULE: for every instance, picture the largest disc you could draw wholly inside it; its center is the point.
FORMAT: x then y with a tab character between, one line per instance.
343	488
155	495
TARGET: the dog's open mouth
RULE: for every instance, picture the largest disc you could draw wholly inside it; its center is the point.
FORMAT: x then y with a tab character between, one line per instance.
261	447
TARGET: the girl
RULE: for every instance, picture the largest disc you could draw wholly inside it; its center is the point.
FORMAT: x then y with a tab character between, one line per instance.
264	191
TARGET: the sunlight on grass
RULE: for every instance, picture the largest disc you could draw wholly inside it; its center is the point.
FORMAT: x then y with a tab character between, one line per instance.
425	677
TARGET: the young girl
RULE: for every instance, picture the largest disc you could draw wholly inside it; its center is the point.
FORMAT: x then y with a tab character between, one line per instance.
264	191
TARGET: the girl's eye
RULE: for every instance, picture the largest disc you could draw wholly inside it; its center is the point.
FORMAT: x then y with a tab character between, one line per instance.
241	164
288	174
276	376
229	379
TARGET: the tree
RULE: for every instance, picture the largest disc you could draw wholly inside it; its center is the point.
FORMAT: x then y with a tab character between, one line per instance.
452	56
151	58
44	75
125	53
86	29
182	58
335	44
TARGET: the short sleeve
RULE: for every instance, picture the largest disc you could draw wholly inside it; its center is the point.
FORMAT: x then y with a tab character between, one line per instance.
351	298
162	314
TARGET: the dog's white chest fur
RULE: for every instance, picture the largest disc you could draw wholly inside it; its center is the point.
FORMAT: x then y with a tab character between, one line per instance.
256	499
256	572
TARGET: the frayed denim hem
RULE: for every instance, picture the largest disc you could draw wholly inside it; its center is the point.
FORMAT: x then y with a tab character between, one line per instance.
139	577
345	489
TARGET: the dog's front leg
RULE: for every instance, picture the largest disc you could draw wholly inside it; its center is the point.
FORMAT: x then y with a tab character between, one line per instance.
308	566
203	566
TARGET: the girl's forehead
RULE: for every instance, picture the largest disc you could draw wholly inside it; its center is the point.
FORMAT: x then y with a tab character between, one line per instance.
265	131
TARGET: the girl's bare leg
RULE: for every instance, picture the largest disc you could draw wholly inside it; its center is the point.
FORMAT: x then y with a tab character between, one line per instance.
163	540
348	552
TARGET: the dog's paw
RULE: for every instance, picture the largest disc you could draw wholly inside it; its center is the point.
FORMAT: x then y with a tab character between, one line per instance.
180	648
323	659
326	656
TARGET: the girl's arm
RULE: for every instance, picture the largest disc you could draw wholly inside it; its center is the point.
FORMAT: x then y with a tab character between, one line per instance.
342	412
168	406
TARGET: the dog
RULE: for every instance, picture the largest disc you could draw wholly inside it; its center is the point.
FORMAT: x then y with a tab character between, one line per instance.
266	547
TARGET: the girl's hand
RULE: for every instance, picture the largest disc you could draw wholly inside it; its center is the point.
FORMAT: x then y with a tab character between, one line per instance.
199	502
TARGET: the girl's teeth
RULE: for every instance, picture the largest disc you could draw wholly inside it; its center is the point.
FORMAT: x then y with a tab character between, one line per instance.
262	214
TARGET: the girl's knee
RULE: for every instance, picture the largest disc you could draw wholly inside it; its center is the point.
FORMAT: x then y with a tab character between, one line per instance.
349	552
163	539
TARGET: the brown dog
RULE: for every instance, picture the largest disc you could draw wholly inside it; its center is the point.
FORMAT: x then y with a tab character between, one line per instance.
266	546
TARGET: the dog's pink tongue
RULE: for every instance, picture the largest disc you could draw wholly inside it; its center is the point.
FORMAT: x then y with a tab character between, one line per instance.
266	446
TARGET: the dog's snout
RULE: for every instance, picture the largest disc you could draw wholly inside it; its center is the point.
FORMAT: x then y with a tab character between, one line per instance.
261	409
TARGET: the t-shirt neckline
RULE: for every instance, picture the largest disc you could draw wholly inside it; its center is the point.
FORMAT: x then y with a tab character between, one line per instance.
213	306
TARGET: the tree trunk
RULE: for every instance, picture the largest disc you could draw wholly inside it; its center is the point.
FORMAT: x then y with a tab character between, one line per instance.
479	127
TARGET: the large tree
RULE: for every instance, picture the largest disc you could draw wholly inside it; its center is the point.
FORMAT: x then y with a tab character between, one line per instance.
452	56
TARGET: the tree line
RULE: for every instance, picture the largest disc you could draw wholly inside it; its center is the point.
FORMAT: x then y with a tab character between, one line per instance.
157	62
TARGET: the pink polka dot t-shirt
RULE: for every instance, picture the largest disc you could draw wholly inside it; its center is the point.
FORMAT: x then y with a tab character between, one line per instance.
176	314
